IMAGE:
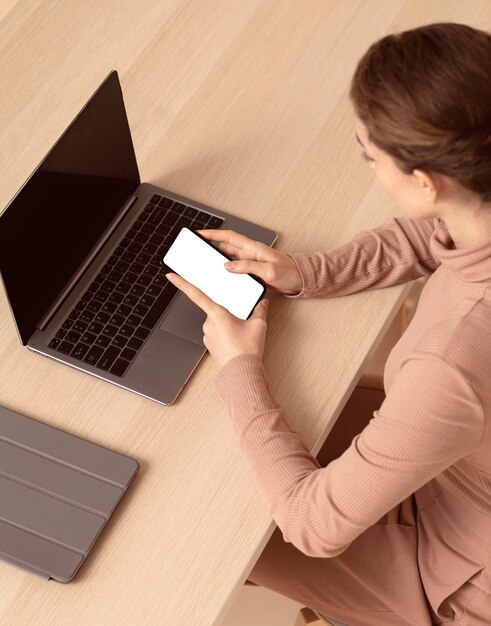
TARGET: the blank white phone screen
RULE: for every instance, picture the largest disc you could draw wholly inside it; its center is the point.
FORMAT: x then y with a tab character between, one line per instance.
202	265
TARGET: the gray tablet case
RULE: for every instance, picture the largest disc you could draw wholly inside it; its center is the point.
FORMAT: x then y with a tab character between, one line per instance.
57	492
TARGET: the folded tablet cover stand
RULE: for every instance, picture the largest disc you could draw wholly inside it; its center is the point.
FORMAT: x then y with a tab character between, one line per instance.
57	492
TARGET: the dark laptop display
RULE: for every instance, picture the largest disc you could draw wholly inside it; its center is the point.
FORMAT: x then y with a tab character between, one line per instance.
60	213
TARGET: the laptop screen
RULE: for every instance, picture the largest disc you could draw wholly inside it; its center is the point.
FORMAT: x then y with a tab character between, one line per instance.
51	225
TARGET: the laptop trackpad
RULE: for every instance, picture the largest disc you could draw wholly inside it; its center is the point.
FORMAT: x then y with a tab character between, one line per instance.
185	319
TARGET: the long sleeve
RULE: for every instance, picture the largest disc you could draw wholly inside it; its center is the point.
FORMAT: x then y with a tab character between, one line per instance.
430	418
392	253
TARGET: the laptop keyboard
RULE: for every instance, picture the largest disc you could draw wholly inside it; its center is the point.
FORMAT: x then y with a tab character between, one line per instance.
110	323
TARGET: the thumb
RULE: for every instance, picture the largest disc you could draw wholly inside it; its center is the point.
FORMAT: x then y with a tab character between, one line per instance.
261	310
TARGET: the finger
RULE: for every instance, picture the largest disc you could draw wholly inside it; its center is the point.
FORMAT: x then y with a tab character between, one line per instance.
237	245
193	293
227	236
235	253
261	310
260	268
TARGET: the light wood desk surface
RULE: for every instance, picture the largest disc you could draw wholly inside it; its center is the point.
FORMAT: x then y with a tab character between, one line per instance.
243	106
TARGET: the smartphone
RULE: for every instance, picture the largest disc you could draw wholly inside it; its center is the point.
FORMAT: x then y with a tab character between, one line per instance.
200	263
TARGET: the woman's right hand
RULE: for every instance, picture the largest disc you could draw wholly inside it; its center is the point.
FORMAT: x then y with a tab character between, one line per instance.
276	269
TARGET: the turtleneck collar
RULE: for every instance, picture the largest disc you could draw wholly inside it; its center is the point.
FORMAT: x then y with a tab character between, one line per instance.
470	264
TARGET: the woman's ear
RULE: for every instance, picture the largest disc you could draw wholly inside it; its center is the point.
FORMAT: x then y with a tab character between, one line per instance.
428	183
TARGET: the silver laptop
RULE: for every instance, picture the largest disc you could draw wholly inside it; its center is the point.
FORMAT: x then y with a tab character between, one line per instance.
81	248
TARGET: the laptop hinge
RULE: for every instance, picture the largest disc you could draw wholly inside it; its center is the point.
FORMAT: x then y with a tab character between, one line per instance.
95	250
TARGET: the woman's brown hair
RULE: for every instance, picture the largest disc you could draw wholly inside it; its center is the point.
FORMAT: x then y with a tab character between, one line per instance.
424	96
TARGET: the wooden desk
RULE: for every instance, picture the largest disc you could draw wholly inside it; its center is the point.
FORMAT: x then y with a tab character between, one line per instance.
243	106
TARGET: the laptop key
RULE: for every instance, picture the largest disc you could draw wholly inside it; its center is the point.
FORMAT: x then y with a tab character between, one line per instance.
54	343
108	286
109	307
163	229
149	248
121	266
79	326
190	212
126	330
157	239
141	333
137	268
95	328
93	307
154	291
109	330
128	354
152	317
124	310
144	280
119	341
155	199
202	216
115	298
60	334
100	296
197	226
142	237
73	337
130	300
140	310
166	202
103	341
87	316
107	359
156	216
160	280
135	343
146	300
123	288
128	257
135	247
102	317
137	290
151	270
147	229
171	218
88	338
183	221
215	222
133	320
80	351
119	368
117	320
66	347
93	355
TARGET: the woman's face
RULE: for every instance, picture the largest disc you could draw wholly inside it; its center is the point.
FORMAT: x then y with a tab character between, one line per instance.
410	192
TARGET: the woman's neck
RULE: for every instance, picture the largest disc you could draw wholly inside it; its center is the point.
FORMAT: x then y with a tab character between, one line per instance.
467	226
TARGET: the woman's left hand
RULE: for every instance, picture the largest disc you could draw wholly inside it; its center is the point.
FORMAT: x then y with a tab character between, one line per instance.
225	335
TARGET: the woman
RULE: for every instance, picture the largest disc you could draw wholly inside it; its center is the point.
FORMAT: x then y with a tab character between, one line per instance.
397	528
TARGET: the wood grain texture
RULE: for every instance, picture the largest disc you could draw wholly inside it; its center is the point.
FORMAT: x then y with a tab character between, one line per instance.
244	106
